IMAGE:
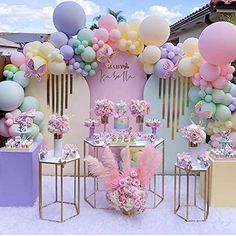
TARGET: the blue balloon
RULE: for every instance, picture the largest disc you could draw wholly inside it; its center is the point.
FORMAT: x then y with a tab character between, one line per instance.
39	117
19	77
11	95
193	94
69	17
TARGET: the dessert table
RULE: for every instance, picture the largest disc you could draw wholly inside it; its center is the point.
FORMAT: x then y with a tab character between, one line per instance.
158	196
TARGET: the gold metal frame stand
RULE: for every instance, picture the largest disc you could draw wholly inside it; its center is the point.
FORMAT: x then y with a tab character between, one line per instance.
185	215
91	199
76	176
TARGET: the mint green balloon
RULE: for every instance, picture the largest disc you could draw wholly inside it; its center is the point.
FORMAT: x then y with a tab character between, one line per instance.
193	94
85	43
208	98
29	103
223	113
88	55
76	43
39	117
202	94
92	72
228	87
94	65
209	106
19	77
85	34
227	99
34	130
87	67
39	138
41	127
80	49
218	96
208	90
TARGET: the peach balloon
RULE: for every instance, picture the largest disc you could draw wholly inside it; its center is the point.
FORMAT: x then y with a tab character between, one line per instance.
186	68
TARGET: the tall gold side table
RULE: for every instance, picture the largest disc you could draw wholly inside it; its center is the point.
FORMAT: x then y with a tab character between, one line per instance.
183	210
157	194
60	164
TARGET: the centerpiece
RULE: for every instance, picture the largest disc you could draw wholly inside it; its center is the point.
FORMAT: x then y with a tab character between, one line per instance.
104	108
154	124
139	108
121	120
58	125
126	187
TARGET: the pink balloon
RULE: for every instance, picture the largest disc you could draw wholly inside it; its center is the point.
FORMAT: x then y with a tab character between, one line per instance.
232	136
9	122
108	22
4	130
23	67
16	112
114	35
17	58
217	43
101	34
13	130
220	83
95	47
9	115
209	72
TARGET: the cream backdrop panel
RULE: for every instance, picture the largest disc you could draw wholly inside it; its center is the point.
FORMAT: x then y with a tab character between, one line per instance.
78	106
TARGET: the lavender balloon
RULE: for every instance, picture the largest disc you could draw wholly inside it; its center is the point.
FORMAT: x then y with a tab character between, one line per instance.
69	17
67	52
164	69
58	39
233	90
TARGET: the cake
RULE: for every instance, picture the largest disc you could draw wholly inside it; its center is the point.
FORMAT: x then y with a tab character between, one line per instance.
121	123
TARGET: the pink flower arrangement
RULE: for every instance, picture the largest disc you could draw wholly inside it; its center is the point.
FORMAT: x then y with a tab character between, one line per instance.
194	133
70	151
184	160
153	123
58	124
129	195
126	188
104	107
91	123
139	107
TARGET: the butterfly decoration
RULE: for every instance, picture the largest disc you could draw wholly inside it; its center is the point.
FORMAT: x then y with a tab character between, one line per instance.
35	73
200	114
104	55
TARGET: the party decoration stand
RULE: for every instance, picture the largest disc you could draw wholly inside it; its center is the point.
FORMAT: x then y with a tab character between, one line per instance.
60	164
91	199
186	210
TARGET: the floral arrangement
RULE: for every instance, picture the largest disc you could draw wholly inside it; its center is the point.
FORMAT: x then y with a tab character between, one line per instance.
120	109
104	107
43	152
58	124
70	151
203	160
184	160
126	188
194	133
91	123
18	142
153	123
139	107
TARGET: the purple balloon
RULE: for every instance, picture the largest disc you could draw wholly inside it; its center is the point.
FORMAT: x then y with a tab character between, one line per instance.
70	68
69	17
76	65
164	69
77	58
72	61
58	39
71	42
232	107
79	71
233	90
67	52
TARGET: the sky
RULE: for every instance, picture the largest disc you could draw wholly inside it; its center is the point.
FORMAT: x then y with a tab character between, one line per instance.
35	16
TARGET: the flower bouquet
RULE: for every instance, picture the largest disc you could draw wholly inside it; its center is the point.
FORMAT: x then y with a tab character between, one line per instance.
104	108
154	124
91	123
195	134
184	160
58	125
139	108
126	188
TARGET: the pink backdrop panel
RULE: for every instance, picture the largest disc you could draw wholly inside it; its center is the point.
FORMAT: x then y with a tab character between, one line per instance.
124	80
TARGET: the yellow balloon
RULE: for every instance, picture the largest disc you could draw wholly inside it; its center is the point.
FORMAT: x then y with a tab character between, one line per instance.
138	50
57	68
46	49
132	35
186	67
154	30
122	45
39	61
31	49
190	46
124	28
151	54
134	24
148	69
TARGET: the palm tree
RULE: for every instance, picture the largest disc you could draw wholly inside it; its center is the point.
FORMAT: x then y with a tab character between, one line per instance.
116	14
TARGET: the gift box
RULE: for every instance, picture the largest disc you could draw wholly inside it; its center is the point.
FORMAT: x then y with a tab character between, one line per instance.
19	176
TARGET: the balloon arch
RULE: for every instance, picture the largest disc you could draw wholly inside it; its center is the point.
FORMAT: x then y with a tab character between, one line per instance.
76	49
